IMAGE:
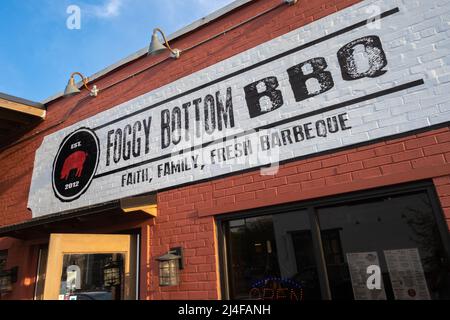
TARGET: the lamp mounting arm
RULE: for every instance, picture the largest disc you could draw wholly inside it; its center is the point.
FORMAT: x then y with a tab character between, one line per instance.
175	52
94	91
83	78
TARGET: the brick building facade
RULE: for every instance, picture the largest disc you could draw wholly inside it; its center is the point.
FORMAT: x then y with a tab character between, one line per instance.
190	215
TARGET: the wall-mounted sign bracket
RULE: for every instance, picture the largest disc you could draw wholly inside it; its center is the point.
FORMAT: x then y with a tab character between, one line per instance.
147	204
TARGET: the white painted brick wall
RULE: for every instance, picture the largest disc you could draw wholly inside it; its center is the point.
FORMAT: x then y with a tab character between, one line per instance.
417	44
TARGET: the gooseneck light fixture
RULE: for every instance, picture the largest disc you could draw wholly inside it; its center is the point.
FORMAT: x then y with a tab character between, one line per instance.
157	47
72	88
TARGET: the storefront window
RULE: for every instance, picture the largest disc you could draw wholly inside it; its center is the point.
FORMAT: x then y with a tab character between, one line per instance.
400	234
379	247
272	257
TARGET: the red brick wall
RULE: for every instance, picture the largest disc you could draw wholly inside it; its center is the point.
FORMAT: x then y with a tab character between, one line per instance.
24	256
411	158
175	227
443	189
186	215
15	180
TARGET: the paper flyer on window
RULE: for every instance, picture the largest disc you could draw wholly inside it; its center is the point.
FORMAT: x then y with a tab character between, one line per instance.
406	273
358	264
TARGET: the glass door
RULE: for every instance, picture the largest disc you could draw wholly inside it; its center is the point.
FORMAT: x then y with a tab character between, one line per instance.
91	267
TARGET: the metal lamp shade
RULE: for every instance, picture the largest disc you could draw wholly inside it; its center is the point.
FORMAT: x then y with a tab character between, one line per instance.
156	46
71	88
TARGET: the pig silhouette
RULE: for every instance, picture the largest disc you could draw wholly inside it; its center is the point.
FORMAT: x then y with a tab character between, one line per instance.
74	161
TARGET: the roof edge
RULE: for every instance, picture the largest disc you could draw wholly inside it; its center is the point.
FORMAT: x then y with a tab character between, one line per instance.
181	32
26	102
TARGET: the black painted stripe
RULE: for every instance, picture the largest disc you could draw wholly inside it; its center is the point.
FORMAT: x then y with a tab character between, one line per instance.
256	65
271	125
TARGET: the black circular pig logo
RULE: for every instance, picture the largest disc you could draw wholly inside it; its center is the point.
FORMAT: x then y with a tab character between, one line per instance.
75	164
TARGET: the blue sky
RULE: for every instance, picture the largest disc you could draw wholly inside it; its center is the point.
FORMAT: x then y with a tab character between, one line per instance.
38	52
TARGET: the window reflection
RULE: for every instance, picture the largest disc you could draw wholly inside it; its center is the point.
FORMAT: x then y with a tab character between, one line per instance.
3	256
272	258
91	277
275	257
379	225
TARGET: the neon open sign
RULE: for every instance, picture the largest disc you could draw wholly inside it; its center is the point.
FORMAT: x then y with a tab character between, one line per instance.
275	288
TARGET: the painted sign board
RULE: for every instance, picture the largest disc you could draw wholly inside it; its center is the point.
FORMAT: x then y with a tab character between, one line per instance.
371	71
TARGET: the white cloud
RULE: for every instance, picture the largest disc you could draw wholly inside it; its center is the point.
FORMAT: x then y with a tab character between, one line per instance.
110	9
